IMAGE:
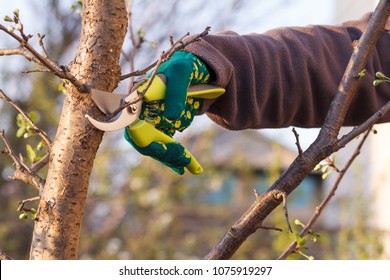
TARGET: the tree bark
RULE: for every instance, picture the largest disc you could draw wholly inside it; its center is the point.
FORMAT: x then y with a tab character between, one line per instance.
57	228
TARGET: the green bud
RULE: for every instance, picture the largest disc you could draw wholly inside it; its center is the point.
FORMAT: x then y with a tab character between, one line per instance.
362	73
23	216
377	82
380	75
7	18
16	12
18	27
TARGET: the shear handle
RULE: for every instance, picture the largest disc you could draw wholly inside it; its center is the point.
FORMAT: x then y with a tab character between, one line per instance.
144	133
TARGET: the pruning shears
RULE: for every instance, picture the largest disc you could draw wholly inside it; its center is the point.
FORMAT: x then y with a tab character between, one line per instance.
142	132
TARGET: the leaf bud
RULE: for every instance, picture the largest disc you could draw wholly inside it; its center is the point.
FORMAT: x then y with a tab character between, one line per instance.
7	18
10	28
16	12
380	75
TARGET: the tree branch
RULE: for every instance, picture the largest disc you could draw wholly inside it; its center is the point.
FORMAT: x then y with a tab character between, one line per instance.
40	132
178	45
325	144
307	228
45	61
22	171
20	51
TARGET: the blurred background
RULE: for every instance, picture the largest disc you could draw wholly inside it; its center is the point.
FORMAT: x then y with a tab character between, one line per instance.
138	209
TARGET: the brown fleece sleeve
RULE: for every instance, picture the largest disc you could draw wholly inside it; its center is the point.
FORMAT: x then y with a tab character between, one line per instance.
288	76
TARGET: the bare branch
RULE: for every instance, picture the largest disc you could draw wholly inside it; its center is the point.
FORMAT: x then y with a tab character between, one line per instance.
22	171
36	166
40	39
45	61
297	141
326	200
23	202
270	228
364	126
178	45
20	51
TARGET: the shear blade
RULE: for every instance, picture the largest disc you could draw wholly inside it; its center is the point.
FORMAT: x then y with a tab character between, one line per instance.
118	123
107	102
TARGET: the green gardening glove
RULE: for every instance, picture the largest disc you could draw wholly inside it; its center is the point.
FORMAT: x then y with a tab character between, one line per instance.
177	111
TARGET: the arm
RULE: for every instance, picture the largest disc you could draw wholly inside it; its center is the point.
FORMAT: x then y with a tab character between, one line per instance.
288	76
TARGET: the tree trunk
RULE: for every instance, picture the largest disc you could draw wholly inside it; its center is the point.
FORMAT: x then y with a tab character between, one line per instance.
57	229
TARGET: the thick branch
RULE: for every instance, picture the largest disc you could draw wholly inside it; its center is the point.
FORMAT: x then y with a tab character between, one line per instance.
325	144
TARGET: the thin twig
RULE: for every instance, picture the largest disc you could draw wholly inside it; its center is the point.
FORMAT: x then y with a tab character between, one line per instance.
180	44
38	165
45	61
36	129
22	171
270	228
20	51
308	227
284	197
24	201
36	71
141	94
163	57
40	40
300	152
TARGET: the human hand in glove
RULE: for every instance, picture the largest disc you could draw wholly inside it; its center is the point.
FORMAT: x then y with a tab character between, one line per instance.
176	111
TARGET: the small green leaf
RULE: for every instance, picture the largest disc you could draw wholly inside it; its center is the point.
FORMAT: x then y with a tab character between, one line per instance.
314	236
20	121
299	223
33	213
28	133
30	153
20	132
40	145
33	116
362	73
318	167
301	241
23	216
325	175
